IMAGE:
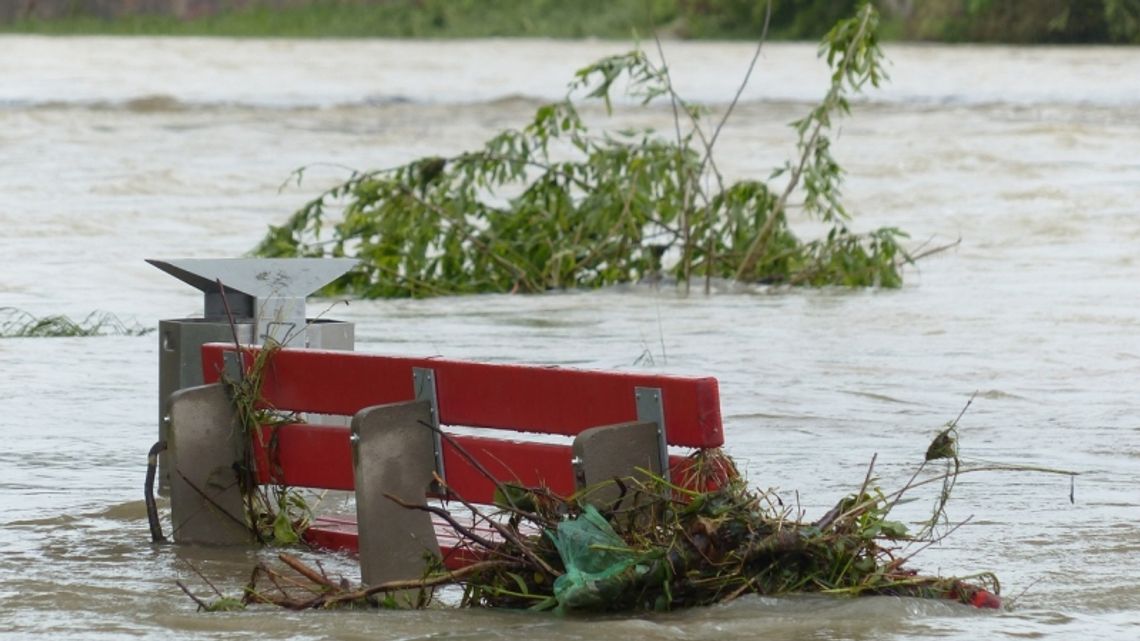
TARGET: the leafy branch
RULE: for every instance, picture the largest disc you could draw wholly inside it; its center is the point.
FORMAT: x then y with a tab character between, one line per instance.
556	205
855	59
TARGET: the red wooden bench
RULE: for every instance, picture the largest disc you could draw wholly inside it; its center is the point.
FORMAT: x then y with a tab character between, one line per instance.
399	406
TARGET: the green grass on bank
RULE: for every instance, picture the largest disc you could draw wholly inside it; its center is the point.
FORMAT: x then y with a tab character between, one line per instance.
395	19
1024	21
719	19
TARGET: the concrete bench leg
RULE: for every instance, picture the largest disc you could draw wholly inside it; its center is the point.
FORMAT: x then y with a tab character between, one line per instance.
393	454
204	447
615	451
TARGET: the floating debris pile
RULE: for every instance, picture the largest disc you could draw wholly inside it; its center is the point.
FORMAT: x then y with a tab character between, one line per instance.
661	546
676	548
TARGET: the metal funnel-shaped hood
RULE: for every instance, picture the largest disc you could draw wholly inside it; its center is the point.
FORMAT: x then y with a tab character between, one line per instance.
260	278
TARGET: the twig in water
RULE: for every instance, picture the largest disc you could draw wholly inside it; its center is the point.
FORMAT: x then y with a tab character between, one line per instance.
870	472
934	540
747	75
306	571
299	173
203	577
233	326
1008	603
429	582
503	531
202	605
915	257
969	402
445	515
837	513
482	469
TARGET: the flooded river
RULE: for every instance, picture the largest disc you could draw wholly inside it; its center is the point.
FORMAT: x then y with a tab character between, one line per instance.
116	150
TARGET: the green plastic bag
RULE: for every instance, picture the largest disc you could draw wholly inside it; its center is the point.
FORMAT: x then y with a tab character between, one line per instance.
595	558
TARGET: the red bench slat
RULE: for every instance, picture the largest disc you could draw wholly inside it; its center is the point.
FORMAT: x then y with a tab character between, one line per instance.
320	456
340	535
526	464
523	398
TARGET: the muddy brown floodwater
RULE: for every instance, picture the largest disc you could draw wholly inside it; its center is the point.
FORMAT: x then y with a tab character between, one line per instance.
113	150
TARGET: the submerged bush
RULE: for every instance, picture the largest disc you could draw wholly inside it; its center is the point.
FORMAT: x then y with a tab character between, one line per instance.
555	205
17	323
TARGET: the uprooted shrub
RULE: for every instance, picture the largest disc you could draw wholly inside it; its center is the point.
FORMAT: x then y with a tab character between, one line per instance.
558	205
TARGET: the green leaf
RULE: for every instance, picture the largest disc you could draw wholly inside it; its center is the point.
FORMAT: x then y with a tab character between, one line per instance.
893	530
283	532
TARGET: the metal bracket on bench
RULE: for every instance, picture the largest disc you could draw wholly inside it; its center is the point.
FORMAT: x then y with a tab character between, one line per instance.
423	382
651	410
233	366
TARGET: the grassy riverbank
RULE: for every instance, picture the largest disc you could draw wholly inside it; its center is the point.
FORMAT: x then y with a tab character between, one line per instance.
1031	21
394	19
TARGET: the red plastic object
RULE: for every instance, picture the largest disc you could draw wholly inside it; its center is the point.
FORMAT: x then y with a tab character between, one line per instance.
969	594
986	600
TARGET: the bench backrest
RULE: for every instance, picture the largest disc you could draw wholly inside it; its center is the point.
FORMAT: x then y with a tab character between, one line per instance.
514	398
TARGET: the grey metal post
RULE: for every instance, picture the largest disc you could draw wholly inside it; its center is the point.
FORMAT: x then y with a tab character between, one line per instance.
617	451
205	447
611	452
393	455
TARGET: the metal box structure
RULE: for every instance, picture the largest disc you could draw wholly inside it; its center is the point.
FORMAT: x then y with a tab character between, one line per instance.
264	299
